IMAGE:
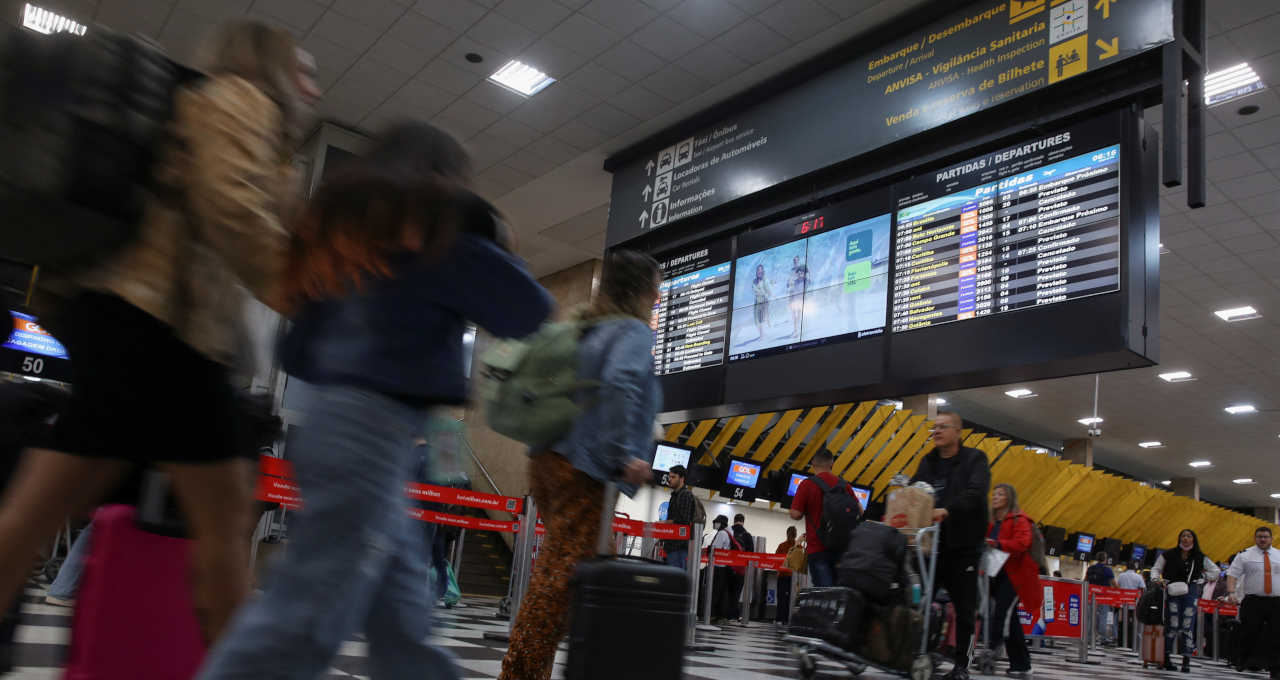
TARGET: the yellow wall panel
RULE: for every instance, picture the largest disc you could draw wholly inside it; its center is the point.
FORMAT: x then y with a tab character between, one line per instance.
811	419
730	428
851	425
674	431
701	431
865	433
890	451
776	434
829	424
752	434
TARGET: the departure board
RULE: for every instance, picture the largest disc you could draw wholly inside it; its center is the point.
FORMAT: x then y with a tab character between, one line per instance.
1046	231
692	315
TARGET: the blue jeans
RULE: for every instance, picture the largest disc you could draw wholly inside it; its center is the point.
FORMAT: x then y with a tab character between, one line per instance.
1106	633
68	581
1181	615
822	569
678	557
355	559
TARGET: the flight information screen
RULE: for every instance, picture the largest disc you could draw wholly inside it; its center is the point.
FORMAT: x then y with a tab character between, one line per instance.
690	321
1027	226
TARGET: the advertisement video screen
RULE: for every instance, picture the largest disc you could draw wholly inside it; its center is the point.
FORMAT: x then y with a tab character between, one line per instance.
27	336
744	474
1084	544
1139	552
794	485
831	283
667	456
863	495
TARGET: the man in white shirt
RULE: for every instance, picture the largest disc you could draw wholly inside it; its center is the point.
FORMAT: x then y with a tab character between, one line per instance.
1253	580
1131	579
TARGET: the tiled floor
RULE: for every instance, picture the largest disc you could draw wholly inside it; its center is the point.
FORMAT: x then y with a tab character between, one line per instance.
753	653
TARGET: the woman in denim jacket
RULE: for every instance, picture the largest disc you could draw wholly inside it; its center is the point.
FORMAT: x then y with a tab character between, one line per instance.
611	441
386	269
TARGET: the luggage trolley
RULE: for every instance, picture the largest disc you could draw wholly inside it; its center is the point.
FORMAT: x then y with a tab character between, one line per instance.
922	667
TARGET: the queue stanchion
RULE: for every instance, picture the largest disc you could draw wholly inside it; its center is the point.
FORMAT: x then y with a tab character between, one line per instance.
1085	612
710	589
1217	622
458	544
692	565
521	567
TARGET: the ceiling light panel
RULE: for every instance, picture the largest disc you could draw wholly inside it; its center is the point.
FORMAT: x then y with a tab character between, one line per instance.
1177	376
521	78
1020	393
1237	314
1151	445
1240	409
42	20
1089	421
1200	464
1231	83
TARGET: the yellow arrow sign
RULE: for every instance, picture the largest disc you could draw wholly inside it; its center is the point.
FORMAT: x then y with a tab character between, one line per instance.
1109	49
1105	6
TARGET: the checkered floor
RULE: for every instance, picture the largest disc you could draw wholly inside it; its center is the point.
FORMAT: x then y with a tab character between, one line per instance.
752	653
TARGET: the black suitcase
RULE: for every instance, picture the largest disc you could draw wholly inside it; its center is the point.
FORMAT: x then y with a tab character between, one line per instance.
833	615
621	604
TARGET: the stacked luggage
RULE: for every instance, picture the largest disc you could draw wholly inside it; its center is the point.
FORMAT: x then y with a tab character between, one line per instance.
878	616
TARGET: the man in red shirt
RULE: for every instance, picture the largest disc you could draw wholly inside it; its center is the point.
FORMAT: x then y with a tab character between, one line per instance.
808	504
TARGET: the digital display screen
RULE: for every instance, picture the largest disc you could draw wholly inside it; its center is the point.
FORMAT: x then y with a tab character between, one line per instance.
1139	552
691	319
1045	232
1084	544
27	336
743	474
863	495
665	457
830	284
794	485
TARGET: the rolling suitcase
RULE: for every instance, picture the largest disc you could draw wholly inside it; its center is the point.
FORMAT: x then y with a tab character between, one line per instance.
835	615
1153	646
134	615
621	604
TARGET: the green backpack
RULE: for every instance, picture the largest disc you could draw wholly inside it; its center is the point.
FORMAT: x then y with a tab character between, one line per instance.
530	384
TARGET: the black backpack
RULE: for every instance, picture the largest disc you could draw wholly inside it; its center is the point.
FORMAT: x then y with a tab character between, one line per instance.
82	120
1151	606
840	514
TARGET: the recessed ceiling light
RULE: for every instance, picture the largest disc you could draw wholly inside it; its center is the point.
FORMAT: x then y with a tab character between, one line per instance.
42	20
1094	420
940	401
1163	250
1248	109
1166	482
1176	376
1237	314
1150	445
521	78
1020	393
1275	495
1238	409
1231	83
1200	463
1243	480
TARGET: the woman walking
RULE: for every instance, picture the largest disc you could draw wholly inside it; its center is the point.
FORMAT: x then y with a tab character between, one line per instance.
385	271
1185	570
1018	580
153	328
611	440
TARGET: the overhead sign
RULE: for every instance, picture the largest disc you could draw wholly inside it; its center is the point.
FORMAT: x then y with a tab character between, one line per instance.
971	60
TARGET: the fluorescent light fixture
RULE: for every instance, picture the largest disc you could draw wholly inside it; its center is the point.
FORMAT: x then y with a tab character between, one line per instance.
521	78
1090	421
1166	482
1237	314
43	21
940	401
1200	464
1020	393
1231	83
1238	409
1150	445
1243	481
1176	376
1275	495
1040	449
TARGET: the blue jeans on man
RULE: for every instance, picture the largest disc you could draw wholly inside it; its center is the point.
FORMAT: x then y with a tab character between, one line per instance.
64	586
822	569
678	557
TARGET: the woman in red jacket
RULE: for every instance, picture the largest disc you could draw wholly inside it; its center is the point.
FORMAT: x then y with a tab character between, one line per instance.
1011	531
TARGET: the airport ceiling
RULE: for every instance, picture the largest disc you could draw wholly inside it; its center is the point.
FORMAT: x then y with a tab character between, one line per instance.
630	68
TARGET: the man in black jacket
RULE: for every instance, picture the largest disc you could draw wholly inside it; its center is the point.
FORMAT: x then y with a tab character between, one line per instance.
684	509
961	480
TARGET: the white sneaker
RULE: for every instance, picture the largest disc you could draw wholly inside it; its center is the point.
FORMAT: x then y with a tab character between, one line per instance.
58	602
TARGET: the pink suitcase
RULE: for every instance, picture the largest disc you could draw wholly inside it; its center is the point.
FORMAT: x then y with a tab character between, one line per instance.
134	616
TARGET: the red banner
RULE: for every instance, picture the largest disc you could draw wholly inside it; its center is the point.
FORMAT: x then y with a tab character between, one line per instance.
739	558
1060	614
471	499
1115	597
276	467
1221	608
663	530
474	523
276	490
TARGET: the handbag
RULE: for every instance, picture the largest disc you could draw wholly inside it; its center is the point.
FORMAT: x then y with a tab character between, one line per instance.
993	561
1180	588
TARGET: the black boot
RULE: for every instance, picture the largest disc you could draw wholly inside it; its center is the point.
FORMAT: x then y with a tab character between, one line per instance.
1186	664
1168	664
